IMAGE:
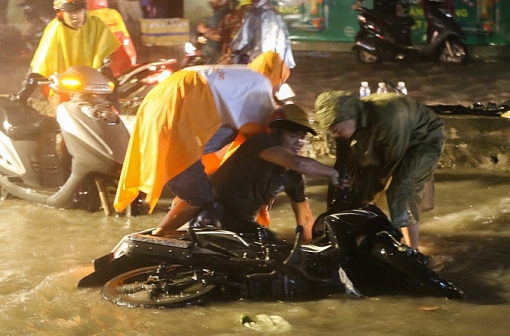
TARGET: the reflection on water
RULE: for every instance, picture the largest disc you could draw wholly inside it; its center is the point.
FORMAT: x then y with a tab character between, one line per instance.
46	251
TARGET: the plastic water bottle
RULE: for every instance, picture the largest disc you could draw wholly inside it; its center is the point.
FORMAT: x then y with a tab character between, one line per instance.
382	88
401	86
364	90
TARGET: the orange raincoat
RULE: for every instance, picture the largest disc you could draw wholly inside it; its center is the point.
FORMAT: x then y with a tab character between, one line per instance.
179	116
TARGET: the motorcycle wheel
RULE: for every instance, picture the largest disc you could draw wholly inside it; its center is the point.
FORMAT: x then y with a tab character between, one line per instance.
158	287
363	56
452	51
389	257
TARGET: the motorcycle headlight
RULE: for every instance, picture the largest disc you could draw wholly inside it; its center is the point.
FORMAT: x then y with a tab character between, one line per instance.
189	48
103	113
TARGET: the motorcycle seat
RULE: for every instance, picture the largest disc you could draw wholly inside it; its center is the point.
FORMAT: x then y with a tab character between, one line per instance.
22	122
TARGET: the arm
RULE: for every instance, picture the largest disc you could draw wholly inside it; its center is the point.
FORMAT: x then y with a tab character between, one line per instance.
304	218
303	165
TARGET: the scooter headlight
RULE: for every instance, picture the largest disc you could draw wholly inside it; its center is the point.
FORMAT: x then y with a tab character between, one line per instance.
189	49
103	113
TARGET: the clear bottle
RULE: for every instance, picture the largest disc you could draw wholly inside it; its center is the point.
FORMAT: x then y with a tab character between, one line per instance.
382	88
364	90
401	86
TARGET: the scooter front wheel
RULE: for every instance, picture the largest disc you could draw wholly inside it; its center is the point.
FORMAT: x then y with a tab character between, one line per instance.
159	287
452	51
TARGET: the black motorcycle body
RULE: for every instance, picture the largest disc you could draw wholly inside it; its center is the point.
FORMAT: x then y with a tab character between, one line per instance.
73	160
134	84
385	37
189	267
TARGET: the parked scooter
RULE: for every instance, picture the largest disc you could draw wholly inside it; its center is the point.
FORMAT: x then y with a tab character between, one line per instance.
72	161
196	265
386	37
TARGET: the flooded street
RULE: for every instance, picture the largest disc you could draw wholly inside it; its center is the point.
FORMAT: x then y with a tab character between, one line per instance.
45	252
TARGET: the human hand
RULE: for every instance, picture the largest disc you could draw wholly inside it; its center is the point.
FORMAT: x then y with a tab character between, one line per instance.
338	182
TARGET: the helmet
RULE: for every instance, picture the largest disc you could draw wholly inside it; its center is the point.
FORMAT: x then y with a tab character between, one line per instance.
69	5
293	118
97	4
242	3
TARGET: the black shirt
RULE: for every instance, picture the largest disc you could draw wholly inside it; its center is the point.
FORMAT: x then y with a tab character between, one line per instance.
245	183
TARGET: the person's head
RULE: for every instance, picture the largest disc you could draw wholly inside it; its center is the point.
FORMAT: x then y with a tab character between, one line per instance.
271	65
96	4
291	124
242	3
338	112
71	12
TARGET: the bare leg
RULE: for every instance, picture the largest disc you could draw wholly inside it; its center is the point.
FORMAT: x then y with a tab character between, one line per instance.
412	235
180	213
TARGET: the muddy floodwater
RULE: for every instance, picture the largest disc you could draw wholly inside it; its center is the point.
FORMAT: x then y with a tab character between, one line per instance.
45	252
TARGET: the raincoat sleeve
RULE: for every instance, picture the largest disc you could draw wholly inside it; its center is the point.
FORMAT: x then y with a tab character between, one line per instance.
61	47
248	36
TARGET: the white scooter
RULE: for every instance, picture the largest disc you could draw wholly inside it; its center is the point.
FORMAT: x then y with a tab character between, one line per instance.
73	161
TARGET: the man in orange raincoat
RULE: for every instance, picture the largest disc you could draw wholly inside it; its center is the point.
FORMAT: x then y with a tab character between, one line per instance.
195	111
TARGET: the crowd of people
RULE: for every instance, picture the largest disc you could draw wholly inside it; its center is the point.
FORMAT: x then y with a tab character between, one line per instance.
184	125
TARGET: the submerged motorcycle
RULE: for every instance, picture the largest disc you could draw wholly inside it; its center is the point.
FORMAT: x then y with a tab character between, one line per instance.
72	161
197	265
386	37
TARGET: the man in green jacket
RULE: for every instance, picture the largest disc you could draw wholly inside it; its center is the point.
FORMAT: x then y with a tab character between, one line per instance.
387	136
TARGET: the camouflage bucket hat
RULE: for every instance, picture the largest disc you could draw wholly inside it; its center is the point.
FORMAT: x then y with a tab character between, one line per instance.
335	106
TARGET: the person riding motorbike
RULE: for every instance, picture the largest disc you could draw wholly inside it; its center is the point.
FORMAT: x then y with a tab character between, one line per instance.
263	166
229	27
263	29
73	37
387	136
210	29
196	110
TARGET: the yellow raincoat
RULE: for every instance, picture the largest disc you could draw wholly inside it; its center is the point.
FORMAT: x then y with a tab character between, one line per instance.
61	47
179	116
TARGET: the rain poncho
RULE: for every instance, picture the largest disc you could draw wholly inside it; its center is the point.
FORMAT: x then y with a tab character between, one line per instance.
395	137
113	20
179	116
263	30
61	46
